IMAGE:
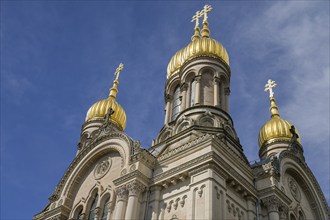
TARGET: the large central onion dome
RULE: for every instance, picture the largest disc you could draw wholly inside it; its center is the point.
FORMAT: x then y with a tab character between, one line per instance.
199	46
101	108
276	128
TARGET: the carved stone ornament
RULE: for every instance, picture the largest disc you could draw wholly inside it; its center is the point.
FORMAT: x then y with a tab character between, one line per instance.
123	172
102	168
294	189
122	193
135	188
272	203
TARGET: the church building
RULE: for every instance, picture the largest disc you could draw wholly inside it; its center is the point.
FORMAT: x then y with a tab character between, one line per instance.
196	167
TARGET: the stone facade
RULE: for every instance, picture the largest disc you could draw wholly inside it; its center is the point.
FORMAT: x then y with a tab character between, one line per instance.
196	168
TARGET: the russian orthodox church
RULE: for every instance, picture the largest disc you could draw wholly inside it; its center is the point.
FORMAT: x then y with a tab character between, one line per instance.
196	167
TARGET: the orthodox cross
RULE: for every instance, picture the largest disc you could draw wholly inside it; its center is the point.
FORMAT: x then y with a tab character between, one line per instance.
196	18
206	9
118	70
269	86
107	117
295	136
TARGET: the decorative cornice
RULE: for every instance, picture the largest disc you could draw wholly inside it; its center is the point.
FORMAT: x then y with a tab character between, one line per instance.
60	213
183	147
135	174
211	156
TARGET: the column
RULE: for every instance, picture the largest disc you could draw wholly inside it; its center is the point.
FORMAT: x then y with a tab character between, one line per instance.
227	93
168	100
272	203
183	90
122	194
197	90
155	205
216	93
135	189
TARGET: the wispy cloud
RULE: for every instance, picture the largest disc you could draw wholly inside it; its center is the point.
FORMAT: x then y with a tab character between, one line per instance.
292	41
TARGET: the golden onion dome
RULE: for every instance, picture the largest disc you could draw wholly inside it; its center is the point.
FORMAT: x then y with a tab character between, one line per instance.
276	128
199	46
101	108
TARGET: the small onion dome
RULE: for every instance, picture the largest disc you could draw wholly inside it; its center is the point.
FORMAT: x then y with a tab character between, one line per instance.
275	129
100	109
201	45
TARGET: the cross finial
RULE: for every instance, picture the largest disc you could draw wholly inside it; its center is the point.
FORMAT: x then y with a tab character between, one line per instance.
114	90
196	18
269	86
206	9
118	70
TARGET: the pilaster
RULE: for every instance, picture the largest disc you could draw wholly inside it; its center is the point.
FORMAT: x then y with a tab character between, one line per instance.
197	90
135	188
216	93
122	195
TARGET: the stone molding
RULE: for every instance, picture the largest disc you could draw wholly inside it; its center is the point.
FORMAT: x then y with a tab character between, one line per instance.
135	174
304	166
184	86
211	156
82	154
183	147
210	60
59	213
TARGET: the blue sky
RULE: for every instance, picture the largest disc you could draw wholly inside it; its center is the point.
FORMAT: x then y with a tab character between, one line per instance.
58	58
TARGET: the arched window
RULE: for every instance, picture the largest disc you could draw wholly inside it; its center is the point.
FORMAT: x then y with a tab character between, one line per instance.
292	217
78	213
176	103
92	210
192	93
106	208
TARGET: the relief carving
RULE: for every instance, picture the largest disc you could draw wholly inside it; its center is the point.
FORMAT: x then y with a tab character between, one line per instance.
294	189
102	168
135	188
183	201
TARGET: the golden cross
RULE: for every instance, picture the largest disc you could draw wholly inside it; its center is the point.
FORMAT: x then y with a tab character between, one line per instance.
206	9
269	86
118	70
196	18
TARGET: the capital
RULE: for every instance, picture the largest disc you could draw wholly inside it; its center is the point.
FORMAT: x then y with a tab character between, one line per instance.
272	203
135	188
122	193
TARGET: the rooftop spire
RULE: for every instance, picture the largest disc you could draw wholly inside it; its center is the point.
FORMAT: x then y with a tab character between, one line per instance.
114	90
205	30
196	17
273	107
